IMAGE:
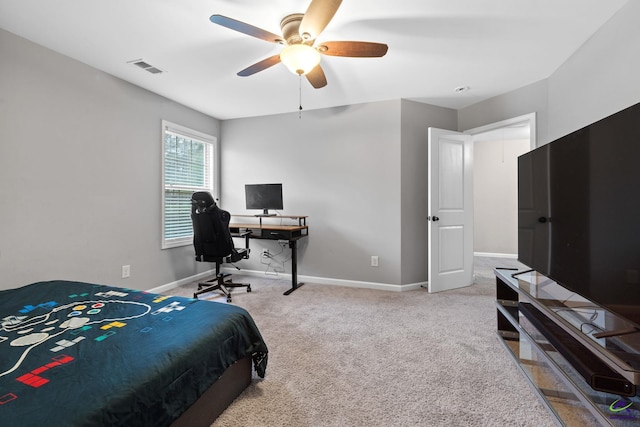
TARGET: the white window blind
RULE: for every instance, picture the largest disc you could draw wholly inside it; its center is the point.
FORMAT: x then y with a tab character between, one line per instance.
188	166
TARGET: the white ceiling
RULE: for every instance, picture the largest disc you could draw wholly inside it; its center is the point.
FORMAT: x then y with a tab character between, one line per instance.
491	46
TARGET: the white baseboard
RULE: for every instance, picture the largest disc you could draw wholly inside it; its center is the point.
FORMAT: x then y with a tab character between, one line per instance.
194	278
360	284
495	255
301	278
331	281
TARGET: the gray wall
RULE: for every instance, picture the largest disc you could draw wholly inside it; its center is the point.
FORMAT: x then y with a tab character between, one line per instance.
600	79
597	81
529	99
80	173
416	120
340	167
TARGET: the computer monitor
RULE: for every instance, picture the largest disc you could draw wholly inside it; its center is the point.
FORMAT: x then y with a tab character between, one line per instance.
263	196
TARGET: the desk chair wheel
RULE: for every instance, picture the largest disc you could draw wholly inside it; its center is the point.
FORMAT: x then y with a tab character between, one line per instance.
248	288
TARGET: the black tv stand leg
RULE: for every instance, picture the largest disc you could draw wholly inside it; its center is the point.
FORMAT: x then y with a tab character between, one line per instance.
294	267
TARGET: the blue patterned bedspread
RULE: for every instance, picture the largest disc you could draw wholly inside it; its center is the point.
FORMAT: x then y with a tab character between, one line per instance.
79	354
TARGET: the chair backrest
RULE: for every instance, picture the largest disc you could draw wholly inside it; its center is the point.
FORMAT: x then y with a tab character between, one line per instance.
211	237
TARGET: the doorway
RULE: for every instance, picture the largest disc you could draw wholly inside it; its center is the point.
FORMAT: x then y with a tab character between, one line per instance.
496	148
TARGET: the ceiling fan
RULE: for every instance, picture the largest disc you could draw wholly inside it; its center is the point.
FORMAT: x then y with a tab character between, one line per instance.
299	33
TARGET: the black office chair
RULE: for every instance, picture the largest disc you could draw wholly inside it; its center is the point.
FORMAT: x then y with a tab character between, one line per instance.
213	243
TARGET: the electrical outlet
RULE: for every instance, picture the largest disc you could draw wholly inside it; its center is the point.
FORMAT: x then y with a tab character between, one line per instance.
374	260
126	271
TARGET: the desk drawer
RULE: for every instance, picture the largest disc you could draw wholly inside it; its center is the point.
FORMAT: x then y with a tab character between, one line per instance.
281	234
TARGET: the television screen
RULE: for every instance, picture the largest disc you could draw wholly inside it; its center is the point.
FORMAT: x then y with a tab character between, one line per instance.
263	196
579	212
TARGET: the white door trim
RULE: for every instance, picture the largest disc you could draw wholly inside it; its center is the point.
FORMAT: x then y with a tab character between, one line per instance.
531	118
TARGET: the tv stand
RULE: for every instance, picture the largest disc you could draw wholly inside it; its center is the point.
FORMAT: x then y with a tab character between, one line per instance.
570	349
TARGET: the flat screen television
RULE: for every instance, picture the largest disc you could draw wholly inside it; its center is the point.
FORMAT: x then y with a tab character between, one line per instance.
263	197
579	212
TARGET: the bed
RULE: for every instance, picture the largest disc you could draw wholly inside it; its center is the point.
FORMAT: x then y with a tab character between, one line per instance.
80	354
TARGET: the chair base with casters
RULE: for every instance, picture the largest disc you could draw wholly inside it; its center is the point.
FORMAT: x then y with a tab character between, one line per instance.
220	283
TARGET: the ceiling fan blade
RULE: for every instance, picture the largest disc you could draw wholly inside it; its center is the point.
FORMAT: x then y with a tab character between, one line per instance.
245	28
353	49
316	77
317	16
260	66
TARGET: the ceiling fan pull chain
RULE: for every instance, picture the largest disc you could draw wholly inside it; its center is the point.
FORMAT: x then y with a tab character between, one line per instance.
300	96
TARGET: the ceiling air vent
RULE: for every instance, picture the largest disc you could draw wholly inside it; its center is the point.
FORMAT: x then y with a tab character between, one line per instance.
145	66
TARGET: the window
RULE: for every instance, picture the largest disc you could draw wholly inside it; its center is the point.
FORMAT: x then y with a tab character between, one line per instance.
189	164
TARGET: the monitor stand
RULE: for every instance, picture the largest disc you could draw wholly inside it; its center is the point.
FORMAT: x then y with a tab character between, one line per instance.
265	212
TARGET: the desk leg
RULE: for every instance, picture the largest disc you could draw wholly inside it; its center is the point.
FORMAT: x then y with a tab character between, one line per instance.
293	244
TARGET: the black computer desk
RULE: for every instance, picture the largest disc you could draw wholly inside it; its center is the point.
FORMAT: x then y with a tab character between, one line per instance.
265	230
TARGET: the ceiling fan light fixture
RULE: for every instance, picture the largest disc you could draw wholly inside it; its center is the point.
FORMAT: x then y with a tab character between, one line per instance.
300	58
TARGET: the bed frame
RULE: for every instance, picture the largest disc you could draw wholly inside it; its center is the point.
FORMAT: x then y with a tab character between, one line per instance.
218	397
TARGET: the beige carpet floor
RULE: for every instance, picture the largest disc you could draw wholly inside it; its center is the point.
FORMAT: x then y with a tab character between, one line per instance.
356	357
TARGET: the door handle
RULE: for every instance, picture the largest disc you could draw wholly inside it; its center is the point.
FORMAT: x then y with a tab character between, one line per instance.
433	218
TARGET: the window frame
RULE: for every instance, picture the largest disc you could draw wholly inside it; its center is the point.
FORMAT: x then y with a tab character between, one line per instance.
213	186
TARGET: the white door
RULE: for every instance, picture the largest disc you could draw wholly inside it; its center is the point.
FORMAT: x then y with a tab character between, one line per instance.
450	210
